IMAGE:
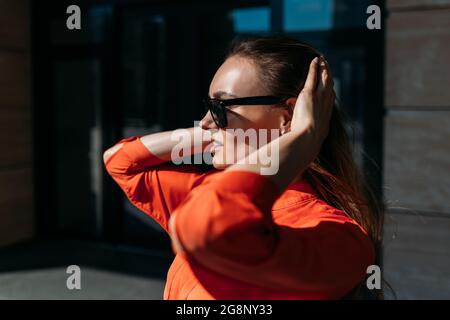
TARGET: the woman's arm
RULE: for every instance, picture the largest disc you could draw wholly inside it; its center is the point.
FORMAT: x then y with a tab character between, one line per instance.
161	144
141	167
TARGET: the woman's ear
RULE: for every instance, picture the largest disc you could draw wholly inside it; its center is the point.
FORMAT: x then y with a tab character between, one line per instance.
291	103
285	125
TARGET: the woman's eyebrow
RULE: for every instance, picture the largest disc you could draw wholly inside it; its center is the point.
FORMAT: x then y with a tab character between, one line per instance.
220	94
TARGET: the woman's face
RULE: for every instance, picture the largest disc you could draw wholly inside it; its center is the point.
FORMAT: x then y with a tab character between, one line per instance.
238	77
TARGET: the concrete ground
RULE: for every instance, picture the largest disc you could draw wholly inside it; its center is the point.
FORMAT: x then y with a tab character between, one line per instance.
37	270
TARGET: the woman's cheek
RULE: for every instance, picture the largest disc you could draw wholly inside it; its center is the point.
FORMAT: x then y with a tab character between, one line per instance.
233	150
219	159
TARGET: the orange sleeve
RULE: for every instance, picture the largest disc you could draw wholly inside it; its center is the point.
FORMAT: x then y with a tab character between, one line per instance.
226	225
155	188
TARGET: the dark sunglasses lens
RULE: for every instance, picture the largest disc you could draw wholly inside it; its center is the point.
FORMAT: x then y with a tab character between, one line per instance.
217	113
220	114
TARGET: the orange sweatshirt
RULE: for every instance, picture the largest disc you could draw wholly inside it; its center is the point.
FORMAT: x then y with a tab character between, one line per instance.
241	238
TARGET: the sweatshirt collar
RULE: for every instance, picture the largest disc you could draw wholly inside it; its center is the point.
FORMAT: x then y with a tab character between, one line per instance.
296	192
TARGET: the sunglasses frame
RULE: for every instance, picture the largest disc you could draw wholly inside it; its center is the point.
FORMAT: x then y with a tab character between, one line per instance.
218	109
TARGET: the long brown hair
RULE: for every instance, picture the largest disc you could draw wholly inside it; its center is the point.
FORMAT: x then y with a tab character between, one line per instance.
283	67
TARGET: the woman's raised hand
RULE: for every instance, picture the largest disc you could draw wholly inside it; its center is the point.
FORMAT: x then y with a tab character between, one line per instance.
315	102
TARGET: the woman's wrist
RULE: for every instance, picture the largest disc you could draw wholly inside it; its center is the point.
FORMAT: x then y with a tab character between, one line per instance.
293	152
187	140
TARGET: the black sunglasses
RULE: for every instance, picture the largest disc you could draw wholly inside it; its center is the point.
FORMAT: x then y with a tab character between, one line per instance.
219	111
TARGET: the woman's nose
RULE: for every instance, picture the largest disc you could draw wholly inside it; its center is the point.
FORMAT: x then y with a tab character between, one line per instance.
207	122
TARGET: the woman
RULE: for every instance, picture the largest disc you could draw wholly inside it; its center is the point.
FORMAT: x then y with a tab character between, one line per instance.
307	231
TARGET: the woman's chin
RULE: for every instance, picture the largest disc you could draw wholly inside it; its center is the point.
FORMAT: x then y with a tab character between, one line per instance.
218	161
218	164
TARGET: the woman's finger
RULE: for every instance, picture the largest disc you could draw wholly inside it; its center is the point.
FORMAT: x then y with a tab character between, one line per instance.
323	77
326	84
311	80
